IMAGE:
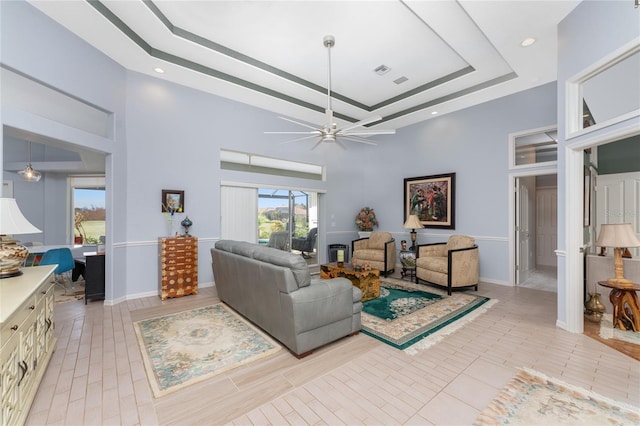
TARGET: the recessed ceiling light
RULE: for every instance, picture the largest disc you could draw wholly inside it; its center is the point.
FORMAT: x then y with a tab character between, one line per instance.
527	42
159	70
434	112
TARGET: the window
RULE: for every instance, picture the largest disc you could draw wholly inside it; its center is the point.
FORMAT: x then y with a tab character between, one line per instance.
88	212
534	148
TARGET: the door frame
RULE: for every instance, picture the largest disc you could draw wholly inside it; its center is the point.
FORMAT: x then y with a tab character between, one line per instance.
570	300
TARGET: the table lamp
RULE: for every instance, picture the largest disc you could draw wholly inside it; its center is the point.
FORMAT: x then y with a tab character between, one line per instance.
12	255
619	236
413	222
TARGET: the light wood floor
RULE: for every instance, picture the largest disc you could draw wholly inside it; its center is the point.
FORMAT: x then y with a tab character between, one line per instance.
96	375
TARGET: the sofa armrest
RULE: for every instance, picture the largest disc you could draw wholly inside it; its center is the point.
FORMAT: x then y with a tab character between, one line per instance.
464	266
390	254
321	303
434	249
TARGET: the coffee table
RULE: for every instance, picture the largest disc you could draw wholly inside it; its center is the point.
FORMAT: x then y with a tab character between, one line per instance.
367	281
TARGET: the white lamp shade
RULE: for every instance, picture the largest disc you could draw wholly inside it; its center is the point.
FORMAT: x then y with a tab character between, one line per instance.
12	221
413	222
617	235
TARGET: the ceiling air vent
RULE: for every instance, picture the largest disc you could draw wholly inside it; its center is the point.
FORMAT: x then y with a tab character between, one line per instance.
400	80
382	70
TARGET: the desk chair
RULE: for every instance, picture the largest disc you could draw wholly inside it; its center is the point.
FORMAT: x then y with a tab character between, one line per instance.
64	259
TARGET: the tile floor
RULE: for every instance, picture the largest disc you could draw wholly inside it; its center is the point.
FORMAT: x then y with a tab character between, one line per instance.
96	374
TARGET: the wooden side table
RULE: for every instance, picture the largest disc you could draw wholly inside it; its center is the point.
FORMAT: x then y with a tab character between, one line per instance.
626	310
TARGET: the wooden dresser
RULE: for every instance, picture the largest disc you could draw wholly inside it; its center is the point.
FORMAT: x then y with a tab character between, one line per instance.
178	266
26	339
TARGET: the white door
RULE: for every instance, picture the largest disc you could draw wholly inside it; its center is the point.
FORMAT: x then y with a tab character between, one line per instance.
618	201
546	226
525	188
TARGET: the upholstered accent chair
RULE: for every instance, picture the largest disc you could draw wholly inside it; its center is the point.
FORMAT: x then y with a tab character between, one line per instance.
378	250
306	244
454	264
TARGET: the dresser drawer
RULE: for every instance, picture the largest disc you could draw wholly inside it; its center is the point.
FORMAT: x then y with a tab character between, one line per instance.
10	327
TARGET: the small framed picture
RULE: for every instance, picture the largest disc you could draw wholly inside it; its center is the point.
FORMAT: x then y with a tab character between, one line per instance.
172	201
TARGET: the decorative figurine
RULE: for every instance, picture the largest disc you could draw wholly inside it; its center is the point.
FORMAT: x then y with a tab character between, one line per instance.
186	224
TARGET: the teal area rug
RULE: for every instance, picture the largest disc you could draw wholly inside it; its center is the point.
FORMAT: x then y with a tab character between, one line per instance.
187	347
531	398
411	316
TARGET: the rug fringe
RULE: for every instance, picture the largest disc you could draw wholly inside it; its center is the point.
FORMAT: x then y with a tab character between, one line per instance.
436	337
578	389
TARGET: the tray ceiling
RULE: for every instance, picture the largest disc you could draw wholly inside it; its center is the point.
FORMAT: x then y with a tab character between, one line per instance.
441	55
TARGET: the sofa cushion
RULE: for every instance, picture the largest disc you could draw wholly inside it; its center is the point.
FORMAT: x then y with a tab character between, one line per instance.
296	263
368	254
437	264
459	242
244	249
377	240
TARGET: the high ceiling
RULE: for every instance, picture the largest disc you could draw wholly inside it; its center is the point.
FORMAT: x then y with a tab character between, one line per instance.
442	55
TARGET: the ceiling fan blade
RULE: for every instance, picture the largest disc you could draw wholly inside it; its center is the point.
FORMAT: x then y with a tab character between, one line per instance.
340	144
299	123
368	132
292	133
361	123
300	139
316	145
357	139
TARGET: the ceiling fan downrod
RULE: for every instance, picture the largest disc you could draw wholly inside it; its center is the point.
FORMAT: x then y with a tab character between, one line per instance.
329	41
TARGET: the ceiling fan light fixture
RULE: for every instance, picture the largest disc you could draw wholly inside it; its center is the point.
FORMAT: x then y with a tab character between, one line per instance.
29	173
330	132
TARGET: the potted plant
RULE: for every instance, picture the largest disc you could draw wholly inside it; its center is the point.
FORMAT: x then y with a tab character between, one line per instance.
77	223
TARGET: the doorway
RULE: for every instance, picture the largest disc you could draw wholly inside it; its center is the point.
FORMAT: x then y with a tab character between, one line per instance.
535	231
533	194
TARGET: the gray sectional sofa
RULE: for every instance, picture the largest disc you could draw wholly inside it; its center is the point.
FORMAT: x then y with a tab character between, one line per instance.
275	291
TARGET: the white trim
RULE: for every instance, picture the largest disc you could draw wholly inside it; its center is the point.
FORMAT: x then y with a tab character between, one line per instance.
536	169
512	150
573	92
571	301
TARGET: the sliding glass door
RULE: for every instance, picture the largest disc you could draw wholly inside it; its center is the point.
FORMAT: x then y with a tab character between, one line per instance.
288	220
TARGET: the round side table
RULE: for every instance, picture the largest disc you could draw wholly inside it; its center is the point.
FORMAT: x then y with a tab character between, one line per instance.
626	310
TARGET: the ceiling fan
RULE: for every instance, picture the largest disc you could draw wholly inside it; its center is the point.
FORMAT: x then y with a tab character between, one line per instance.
329	132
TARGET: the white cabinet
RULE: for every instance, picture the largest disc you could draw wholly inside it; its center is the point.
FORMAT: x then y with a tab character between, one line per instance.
26	339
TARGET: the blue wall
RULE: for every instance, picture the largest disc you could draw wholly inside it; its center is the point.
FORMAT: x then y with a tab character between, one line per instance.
168	137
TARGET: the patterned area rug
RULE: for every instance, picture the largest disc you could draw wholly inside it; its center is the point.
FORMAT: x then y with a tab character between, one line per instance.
187	347
531	398
411	316
74	292
608	332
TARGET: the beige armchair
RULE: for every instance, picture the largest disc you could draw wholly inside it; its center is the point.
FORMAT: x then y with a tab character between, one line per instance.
454	264
379	251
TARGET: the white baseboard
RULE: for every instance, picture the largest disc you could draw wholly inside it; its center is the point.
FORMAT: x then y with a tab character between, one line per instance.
112	302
